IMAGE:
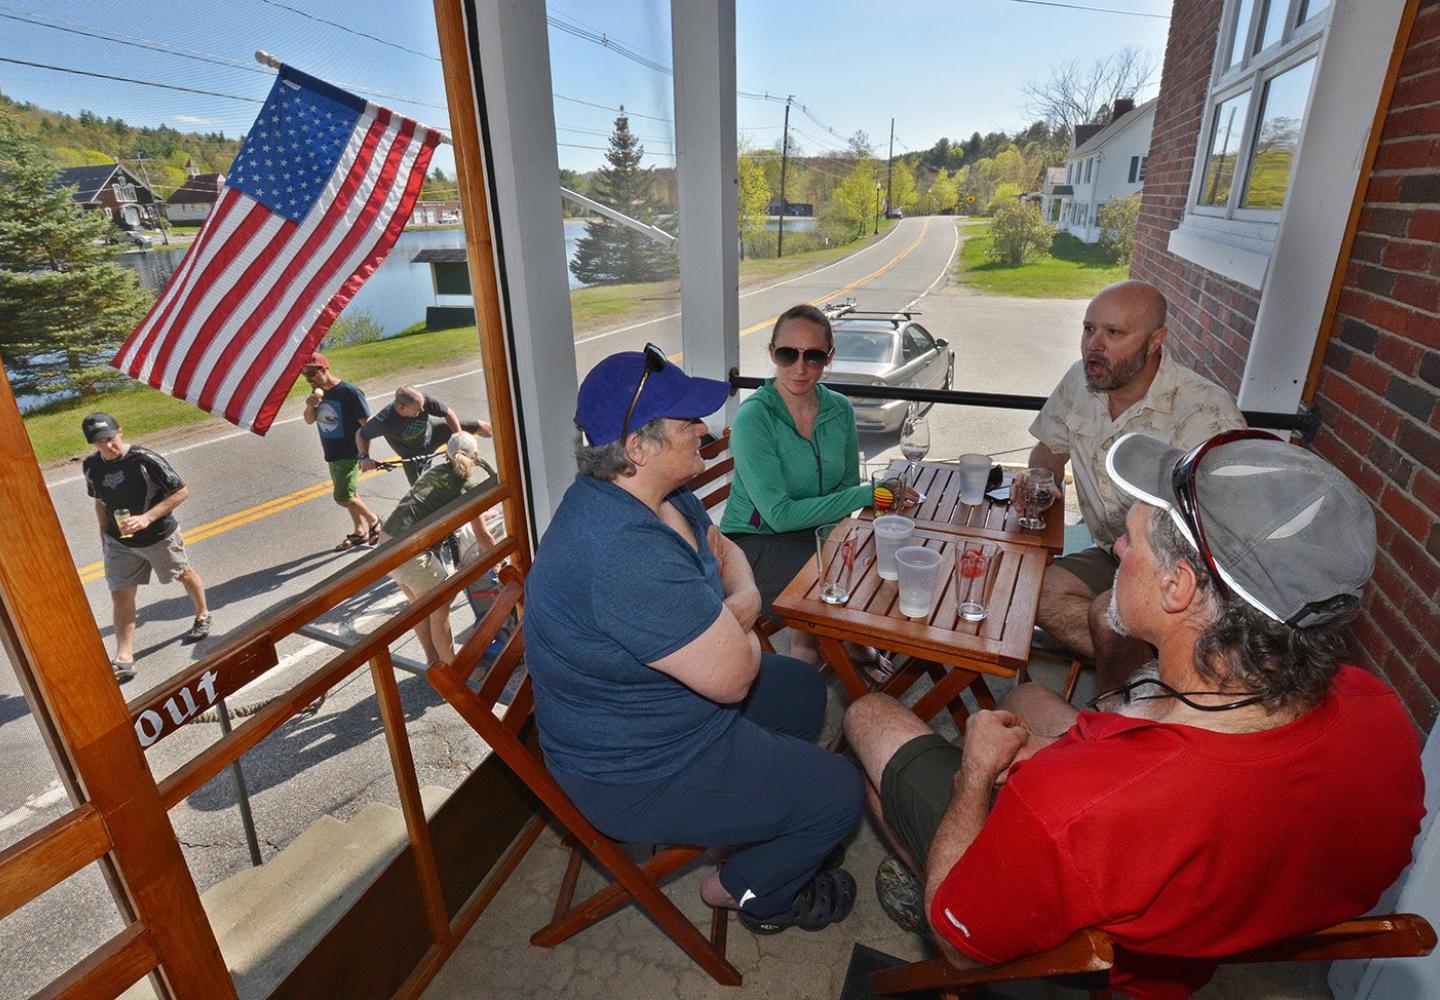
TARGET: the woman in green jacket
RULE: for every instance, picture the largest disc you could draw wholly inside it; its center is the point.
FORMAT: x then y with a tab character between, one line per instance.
797	463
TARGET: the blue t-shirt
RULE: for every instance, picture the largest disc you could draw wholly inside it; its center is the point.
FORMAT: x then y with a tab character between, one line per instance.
613	588
338	417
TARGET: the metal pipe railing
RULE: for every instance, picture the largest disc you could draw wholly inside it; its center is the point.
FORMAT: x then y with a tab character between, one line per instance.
1305	423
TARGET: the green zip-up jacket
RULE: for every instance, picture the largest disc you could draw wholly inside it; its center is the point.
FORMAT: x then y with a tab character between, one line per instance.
784	482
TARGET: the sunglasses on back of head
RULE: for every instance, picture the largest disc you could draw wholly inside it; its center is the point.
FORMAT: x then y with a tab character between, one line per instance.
655	360
787	356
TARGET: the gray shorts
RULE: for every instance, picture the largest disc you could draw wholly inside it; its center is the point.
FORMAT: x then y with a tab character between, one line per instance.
129	566
915	790
1095	567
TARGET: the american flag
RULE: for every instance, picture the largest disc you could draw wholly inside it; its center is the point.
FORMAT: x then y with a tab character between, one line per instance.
313	203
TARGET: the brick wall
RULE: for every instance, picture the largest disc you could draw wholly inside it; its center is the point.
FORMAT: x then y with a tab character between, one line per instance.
1211	318
1380	383
1381	379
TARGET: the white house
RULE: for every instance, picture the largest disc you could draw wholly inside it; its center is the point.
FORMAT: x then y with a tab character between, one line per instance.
1108	161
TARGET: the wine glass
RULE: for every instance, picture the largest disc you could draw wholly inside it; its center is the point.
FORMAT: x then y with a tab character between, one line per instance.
914	443
1036	492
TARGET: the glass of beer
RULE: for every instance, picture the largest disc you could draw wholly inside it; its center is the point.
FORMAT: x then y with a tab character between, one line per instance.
121	516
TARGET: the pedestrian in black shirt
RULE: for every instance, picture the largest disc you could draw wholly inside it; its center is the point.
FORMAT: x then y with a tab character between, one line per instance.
339	409
135	493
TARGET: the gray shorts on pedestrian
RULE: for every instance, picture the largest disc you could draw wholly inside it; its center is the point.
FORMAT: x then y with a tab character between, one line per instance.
915	789
419	573
129	566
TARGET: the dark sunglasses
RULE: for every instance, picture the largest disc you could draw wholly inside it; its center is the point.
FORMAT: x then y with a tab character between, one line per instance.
1187	502
655	361
787	356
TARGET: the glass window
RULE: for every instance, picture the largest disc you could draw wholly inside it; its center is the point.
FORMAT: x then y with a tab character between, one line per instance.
1089	166
1282	111
1224	150
1272	21
1309	8
1143	161
1240	32
1134	168
862	345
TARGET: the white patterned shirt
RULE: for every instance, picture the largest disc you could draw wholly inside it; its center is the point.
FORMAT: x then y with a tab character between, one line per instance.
1181	407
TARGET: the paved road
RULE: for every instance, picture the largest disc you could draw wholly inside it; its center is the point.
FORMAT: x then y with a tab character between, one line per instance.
262	527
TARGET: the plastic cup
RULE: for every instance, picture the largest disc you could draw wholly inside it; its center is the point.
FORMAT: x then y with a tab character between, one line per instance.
974	471
919	570
886	489
836	552
891	532
974	570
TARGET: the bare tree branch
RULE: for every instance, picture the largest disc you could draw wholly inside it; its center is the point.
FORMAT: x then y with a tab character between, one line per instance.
1076	94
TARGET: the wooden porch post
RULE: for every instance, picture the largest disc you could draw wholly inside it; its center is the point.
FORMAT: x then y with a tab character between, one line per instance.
55	647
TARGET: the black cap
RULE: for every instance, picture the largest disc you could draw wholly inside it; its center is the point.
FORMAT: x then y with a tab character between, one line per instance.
99	426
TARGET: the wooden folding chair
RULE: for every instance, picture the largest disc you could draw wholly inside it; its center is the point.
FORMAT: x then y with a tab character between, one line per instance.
1090	955
721	465
512	738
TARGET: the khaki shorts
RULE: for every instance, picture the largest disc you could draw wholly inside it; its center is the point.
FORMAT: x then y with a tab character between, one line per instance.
129	566
915	790
420	573
1095	567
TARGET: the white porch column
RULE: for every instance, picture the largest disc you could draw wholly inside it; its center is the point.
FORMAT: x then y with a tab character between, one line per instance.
519	122
703	48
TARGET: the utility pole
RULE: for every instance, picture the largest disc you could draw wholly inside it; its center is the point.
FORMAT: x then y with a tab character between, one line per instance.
877	210
159	213
784	157
890	171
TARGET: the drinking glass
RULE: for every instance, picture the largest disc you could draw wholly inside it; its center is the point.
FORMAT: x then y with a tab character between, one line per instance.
886	490
1036	493
836	552
914	443
919	571
891	532
974	571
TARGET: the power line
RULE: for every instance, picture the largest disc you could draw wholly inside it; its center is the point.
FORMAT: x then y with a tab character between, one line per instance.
606	131
606	149
606	107
88	31
1098	10
127	79
353	31
603	40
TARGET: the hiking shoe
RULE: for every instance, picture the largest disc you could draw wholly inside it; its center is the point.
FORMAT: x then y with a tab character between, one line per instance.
901	895
199	629
124	670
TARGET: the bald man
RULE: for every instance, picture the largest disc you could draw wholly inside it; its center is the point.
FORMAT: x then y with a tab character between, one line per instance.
1124	382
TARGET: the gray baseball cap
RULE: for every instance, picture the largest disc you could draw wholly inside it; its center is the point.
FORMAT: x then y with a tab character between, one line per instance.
1288	531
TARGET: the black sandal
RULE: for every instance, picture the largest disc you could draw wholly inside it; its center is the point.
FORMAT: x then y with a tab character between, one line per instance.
349	542
826	899
373	538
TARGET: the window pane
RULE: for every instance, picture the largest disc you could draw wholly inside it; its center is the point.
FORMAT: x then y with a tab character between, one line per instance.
1242	26
1224	150
1272	23
1281	114
1312	7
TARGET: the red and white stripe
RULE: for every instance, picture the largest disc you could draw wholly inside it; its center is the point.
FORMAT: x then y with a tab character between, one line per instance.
257	292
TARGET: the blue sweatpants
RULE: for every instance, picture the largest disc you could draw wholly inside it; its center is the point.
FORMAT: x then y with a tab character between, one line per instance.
763	784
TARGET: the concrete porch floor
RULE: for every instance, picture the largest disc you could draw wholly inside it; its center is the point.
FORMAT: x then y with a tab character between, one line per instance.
627	956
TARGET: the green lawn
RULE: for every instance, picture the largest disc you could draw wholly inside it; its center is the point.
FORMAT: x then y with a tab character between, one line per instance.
55	430
1073	270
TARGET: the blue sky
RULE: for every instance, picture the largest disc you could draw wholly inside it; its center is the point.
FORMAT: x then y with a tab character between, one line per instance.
941	67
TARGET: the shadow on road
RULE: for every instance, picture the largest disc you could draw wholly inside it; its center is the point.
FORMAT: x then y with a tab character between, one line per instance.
12	707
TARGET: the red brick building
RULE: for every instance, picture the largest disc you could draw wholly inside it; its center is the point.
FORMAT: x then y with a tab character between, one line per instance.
1291	214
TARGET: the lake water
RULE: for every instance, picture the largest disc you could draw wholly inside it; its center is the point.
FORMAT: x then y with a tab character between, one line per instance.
396	294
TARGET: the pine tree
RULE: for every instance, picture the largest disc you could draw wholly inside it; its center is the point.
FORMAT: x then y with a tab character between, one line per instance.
609	253
58	293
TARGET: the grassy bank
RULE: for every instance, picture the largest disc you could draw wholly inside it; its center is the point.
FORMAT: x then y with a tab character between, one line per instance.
55	430
1073	270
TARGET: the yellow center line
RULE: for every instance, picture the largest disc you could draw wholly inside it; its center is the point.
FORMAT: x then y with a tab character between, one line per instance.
96	570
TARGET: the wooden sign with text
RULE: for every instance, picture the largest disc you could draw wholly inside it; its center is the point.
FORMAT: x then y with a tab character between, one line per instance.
165	709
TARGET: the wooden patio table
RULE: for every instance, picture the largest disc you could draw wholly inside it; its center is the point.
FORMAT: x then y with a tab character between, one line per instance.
995	519
956	653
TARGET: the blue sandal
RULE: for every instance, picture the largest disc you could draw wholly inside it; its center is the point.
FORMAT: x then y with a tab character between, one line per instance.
826	899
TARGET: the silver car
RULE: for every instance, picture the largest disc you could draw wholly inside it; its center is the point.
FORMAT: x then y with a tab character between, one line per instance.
894	351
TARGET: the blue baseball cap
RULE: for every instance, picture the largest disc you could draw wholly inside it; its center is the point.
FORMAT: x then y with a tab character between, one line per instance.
668	392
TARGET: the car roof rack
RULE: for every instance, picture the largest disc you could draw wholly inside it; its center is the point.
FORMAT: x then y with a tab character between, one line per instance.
846	309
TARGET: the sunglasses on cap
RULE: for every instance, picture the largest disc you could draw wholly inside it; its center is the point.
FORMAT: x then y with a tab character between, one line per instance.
655	361
787	356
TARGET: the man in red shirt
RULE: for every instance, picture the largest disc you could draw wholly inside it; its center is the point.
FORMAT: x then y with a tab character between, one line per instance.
1243	787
